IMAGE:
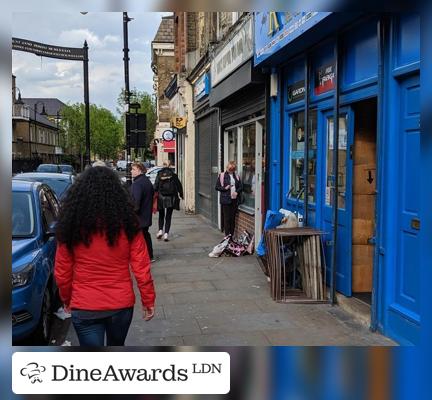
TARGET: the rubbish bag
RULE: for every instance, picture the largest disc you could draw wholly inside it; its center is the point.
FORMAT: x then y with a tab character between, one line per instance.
273	219
219	248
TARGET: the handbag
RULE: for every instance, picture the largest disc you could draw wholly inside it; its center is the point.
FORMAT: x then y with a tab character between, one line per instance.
155	202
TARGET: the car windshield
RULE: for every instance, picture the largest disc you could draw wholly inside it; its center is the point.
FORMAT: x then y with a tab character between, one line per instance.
66	168
47	168
23	216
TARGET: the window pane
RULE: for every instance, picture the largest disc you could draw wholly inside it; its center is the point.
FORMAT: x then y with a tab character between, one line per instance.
297	153
342	152
248	167
232	145
312	155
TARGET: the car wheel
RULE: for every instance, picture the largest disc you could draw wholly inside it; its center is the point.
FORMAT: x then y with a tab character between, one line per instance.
43	330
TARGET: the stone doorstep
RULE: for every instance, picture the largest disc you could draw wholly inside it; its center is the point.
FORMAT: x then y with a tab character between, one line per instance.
357	309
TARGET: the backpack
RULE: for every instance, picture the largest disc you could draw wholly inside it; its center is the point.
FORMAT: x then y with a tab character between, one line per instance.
167	186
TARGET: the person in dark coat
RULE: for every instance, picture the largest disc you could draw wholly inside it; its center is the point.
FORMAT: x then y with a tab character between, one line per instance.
230	187
142	192
168	187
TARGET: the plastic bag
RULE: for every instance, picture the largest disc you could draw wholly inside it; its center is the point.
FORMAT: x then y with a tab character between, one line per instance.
273	219
219	248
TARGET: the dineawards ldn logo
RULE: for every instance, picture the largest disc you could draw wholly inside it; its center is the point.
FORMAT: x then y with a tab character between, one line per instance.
121	372
33	371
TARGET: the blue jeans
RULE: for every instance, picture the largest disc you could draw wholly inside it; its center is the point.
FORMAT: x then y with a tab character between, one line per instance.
91	332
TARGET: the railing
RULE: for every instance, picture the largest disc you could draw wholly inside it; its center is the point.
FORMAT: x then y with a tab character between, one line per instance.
20	111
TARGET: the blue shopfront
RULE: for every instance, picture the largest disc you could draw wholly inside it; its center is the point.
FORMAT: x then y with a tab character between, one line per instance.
357	172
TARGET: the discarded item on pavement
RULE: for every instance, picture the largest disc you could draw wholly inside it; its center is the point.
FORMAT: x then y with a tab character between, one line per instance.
234	248
62	314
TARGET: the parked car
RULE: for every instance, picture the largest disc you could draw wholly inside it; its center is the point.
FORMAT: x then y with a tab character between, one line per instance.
121	165
49	168
152	173
59	183
67	169
35	211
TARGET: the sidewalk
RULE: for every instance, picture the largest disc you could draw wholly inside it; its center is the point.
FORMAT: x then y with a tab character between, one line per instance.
225	301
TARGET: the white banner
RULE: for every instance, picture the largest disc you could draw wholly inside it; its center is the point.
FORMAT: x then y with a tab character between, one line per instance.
120	373
233	54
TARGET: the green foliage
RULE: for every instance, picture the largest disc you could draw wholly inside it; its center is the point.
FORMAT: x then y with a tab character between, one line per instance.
106	131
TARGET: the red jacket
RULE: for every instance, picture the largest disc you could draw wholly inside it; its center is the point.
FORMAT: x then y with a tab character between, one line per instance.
98	277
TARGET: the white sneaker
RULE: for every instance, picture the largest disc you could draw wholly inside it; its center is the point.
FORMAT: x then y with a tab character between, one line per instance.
159	235
165	237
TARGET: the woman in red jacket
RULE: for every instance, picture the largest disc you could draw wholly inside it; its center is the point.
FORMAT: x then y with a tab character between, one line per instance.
99	237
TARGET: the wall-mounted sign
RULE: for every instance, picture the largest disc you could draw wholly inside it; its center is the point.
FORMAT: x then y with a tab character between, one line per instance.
202	87
274	30
324	79
48	50
296	92
179	122
233	53
168	135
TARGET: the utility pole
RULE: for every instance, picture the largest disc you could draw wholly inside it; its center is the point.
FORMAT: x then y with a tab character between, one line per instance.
126	19
87	106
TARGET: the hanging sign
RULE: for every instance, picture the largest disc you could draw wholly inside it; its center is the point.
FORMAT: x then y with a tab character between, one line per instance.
324	79
179	122
202	87
296	92
48	50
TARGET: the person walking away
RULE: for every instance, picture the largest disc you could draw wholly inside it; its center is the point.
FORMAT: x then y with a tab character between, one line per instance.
142	192
168	187
229	185
98	238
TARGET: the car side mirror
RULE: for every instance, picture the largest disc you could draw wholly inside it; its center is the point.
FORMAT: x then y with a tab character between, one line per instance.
51	231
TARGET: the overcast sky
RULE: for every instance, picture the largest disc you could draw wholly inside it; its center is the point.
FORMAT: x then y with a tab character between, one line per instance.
63	79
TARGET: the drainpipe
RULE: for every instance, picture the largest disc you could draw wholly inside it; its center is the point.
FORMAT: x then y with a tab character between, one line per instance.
306	147
335	173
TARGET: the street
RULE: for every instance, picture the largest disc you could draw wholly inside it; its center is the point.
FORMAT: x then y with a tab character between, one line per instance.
206	301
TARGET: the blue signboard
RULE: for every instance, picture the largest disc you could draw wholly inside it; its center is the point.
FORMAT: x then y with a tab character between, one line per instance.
274	30
202	87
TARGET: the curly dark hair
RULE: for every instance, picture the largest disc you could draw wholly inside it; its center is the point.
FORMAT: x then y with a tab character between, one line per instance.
97	202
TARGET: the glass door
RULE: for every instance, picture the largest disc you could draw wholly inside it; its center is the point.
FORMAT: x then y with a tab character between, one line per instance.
344	199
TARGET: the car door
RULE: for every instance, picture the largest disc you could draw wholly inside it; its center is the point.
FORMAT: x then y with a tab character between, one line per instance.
50	213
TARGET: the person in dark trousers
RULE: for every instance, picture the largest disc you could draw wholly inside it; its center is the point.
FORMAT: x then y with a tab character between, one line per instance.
99	243
142	192
168	187
230	187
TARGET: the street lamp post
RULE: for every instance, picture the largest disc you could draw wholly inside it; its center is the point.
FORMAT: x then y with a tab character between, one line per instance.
126	19
35	124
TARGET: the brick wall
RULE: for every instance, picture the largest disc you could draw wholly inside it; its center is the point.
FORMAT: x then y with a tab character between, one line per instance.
244	221
166	68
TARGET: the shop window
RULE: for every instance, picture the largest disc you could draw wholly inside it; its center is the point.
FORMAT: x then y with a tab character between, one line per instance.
232	146
342	151
248	165
298	153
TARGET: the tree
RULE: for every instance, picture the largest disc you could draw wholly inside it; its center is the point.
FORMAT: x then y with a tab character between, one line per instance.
148	107
106	132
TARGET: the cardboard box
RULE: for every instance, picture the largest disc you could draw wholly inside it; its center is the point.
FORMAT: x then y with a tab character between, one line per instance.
362	230
364	206
362	266
364	150
364	179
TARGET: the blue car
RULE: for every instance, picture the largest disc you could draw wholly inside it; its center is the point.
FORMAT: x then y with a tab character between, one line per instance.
35	210
59	183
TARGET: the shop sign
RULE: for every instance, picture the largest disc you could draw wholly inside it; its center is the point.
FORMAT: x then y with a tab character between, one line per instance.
274	30
48	50
202	87
233	54
324	79
179	122
296	92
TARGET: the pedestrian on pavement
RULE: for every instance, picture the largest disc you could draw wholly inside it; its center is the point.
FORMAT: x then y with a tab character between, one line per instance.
230	187
142	192
168	187
99	236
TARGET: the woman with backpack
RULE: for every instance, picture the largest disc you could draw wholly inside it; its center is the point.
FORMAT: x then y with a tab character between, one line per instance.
168	187
230	187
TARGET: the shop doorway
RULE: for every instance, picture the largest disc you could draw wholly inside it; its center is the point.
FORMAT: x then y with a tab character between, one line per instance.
364	198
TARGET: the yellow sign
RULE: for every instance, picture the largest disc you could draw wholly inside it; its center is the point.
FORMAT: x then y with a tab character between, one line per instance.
273	23
179	122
